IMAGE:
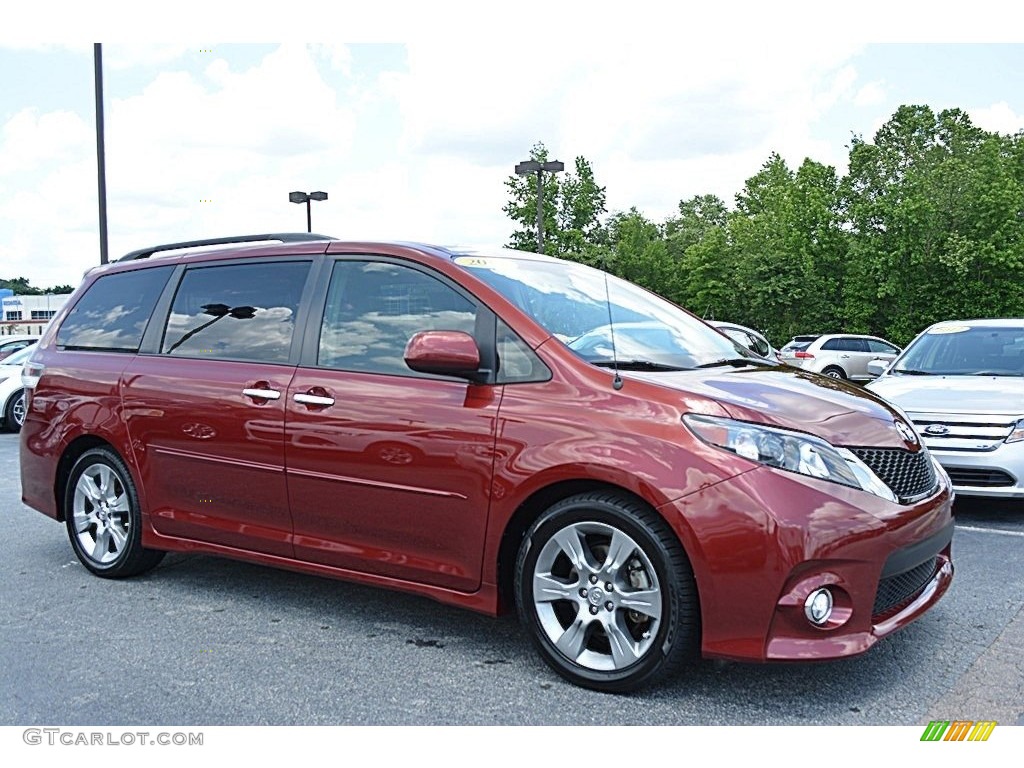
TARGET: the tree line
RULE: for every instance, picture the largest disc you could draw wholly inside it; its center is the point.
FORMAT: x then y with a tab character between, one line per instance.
927	225
21	287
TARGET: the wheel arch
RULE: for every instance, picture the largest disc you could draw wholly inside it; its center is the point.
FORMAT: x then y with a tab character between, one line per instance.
71	454
531	508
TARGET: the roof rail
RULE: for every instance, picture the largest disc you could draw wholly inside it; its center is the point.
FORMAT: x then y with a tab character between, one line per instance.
283	237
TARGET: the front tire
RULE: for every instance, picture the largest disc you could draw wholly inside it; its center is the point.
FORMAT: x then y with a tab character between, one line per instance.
14	413
607	593
103	518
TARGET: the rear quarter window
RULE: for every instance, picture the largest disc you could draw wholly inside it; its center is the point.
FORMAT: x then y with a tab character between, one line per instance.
113	313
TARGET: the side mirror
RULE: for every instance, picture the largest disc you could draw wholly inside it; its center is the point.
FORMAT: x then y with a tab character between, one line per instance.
878	367
445	353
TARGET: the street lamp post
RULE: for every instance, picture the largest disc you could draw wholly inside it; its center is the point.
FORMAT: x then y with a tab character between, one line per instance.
306	197
535	166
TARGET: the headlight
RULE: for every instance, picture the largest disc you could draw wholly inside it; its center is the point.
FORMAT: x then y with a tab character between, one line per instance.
791	451
1018	433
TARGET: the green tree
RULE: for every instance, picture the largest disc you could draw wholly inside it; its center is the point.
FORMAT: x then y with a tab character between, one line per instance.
522	206
572	209
639	254
697	216
934	207
580	234
20	286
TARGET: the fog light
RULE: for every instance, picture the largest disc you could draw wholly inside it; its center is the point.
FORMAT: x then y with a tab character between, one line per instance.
818	606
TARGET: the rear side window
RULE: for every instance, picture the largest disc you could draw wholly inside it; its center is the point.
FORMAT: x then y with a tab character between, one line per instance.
845	345
113	313
236	312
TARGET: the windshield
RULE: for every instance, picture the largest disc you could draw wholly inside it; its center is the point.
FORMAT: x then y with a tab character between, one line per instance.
966	350
569	300
19	357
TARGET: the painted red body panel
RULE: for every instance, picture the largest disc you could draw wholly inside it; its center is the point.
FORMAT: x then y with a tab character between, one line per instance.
211	459
413	483
394	477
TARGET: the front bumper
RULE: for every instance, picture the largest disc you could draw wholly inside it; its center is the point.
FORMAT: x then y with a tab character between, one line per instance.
968	470
763	541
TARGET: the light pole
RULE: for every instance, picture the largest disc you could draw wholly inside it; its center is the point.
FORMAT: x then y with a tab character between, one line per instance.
535	166
101	161
304	197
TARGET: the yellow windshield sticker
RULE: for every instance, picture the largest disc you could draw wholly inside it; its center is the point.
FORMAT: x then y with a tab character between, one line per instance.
949	329
471	261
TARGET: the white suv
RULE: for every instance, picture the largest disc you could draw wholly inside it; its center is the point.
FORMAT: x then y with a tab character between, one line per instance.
839	355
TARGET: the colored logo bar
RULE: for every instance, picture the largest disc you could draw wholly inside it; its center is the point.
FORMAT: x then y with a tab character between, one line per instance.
958	730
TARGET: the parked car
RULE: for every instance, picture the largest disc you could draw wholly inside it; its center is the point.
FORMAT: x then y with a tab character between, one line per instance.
839	355
962	384
12	394
11	344
748	337
439	421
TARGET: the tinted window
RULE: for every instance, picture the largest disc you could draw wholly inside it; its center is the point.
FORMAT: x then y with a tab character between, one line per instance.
236	312
748	340
113	313
845	345
881	348
374	308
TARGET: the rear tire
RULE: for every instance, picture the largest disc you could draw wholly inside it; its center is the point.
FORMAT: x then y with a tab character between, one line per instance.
834	372
607	593
103	518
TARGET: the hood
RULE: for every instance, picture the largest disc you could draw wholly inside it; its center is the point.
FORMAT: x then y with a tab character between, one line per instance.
953	394
844	414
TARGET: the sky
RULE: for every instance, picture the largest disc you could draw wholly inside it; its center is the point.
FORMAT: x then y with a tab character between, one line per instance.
413	122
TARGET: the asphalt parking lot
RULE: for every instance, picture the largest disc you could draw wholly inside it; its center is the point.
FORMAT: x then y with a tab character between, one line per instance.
206	641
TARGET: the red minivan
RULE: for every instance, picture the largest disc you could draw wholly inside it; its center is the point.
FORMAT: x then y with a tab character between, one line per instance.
490	429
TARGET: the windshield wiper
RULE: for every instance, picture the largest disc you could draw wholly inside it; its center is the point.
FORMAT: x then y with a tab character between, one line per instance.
637	365
912	372
738	362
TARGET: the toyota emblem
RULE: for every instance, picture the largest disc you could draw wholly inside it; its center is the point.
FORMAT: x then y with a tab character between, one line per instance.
906	433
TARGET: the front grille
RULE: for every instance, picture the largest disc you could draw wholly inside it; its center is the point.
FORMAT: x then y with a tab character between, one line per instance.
980	478
972	433
894	592
907	474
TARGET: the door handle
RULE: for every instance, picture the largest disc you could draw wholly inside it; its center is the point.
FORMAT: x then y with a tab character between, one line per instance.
262	394
313	400
844	356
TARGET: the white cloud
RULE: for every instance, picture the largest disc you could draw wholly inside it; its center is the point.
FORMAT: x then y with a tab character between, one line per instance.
870	94
29	140
417	154
126	56
998	118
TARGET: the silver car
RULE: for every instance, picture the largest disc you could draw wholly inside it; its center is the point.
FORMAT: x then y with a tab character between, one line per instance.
962	385
839	355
